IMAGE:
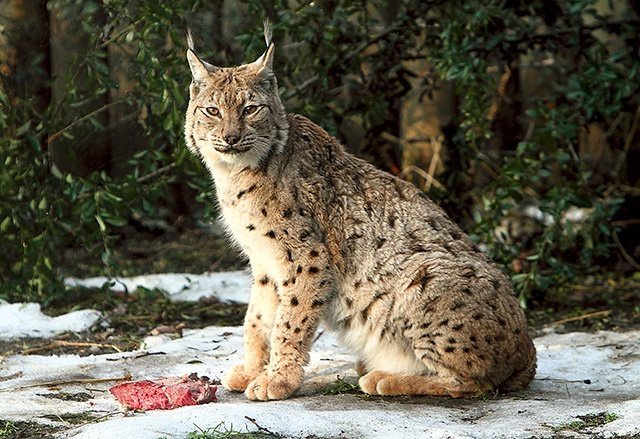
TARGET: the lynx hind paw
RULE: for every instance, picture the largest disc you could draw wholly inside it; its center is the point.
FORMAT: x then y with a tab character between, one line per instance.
369	383
386	384
237	379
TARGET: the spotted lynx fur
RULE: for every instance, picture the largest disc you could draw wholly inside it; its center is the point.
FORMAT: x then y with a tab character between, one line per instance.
332	239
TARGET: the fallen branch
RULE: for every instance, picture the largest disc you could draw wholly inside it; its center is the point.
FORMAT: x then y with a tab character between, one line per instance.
69	382
77	344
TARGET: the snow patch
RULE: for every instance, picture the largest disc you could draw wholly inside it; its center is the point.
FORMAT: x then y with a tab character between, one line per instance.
232	286
27	320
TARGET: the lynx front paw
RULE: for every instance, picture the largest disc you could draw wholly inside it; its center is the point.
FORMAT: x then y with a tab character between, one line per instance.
275	385
237	379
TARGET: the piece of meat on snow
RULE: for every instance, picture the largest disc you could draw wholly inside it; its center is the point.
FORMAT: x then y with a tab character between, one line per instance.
165	393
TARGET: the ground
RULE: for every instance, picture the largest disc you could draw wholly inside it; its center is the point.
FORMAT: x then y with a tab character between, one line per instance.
598	303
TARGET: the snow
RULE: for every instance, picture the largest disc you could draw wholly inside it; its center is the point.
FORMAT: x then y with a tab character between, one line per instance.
578	374
26	320
230	286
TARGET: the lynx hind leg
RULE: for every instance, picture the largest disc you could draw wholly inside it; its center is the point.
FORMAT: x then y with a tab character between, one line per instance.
386	384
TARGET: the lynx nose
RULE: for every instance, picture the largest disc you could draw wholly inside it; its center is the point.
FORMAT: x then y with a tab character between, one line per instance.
231	139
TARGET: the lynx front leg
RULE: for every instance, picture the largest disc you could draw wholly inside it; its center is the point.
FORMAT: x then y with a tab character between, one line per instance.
302	301
257	331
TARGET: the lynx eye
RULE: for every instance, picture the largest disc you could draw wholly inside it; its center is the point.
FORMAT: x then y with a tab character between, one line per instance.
211	111
249	109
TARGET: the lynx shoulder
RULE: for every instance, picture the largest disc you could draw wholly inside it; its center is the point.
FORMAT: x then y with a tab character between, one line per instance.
332	239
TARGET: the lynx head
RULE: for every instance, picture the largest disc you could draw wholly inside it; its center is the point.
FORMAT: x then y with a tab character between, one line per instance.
235	115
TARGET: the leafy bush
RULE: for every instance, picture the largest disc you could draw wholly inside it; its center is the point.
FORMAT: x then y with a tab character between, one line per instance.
346	65
44	210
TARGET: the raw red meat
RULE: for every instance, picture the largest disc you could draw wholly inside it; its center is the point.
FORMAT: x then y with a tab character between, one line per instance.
165	393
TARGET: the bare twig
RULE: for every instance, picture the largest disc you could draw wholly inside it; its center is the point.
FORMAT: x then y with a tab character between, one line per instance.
581	317
13	376
627	257
422	173
57	134
78	344
627	143
260	428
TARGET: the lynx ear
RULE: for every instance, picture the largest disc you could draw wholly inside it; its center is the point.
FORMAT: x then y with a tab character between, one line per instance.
264	64
199	69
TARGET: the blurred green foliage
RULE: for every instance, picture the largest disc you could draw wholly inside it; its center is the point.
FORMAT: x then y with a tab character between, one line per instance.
339	62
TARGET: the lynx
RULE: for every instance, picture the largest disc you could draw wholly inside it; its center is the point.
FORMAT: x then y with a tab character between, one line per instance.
332	239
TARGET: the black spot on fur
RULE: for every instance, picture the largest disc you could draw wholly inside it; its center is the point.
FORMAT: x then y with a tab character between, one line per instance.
467	291
297	330
304	320
348	301
271	234
425	325
288	325
449	349
501	322
304	235
289	256
357	284
246	191
468	272
294	301
313	270
317	302
380	242
433	223
263	280
251	227
391	221
287	213
299	269
444	322
466	350
477	316
452	340
458	305
313	254
457	327
264	211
